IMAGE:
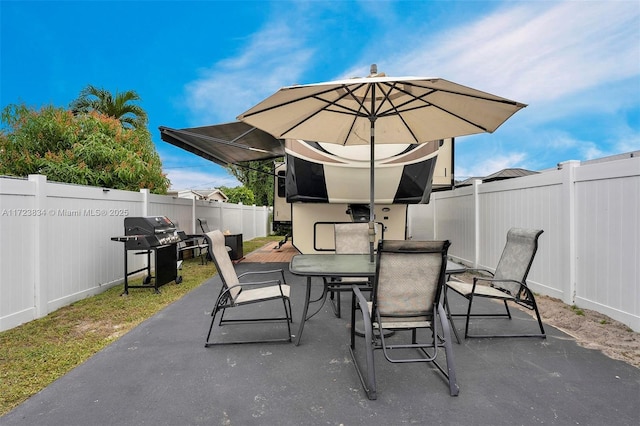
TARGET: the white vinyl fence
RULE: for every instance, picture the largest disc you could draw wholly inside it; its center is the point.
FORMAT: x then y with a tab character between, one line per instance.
55	245
55	239
589	253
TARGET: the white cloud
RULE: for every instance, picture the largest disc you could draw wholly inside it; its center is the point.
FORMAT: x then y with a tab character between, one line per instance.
590	151
272	58
485	167
536	52
575	63
183	179
628	144
560	140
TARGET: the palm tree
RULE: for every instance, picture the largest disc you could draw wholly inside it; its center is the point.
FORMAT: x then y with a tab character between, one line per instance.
100	100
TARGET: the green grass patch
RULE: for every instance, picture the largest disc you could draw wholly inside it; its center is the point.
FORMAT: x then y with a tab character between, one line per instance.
35	354
577	310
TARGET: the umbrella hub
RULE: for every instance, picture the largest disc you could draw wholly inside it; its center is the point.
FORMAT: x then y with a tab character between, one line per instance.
373	71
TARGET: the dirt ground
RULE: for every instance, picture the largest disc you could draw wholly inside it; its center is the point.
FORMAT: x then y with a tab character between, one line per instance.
590	329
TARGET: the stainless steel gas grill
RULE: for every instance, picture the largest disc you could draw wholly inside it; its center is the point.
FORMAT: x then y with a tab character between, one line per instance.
155	235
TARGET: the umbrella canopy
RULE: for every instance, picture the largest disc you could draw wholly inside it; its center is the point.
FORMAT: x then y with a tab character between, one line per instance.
379	110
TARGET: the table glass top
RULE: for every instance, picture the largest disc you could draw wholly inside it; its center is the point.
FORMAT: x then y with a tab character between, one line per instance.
327	265
343	265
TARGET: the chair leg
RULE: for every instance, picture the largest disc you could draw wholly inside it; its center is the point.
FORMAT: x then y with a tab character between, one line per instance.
454	389
449	316
213	319
368	382
334	298
287	310
506	306
289	315
287	318
535	309
466	325
221	317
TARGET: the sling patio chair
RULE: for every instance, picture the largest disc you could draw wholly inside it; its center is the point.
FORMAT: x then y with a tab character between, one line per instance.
204	227
350	238
195	244
409	281
237	294
508	283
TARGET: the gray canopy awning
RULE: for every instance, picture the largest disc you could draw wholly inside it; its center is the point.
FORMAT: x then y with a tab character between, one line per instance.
224	144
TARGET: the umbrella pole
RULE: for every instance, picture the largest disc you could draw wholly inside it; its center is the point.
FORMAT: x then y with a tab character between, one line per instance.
372	216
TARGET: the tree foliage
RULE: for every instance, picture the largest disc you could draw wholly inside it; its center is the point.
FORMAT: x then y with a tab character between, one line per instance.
239	194
87	149
258	177
119	106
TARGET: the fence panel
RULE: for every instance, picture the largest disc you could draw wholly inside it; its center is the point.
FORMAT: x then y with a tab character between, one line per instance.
232	219
608	238
211	211
455	215
179	210
590	213
17	251
533	202
55	239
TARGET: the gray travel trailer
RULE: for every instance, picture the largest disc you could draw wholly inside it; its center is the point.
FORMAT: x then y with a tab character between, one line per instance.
319	184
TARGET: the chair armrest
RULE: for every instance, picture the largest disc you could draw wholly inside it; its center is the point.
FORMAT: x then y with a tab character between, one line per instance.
257	284
479	270
274	271
227	292
493	281
362	303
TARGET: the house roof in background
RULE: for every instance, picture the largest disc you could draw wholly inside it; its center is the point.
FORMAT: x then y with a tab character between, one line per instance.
500	175
508	174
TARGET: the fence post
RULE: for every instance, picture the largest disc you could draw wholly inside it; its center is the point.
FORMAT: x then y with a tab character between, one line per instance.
568	169
145	201
476	223
40	293
193	216
242	213
221	217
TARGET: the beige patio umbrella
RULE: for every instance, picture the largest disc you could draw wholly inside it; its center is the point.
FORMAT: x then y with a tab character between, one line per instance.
379	110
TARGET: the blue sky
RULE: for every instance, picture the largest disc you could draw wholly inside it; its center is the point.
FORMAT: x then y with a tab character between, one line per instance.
194	63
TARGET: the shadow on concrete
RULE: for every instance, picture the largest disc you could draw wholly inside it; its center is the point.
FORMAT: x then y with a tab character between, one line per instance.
160	373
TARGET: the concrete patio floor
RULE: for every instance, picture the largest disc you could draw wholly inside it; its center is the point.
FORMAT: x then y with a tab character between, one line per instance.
160	373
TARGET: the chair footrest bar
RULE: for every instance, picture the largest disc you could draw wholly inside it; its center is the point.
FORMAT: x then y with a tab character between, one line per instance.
208	345
484	336
252	320
480	315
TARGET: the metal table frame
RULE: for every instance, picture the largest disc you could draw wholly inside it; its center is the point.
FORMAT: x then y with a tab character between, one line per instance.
336	265
328	266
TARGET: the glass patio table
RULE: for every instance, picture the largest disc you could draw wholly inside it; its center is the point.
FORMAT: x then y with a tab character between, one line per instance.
327	266
336	265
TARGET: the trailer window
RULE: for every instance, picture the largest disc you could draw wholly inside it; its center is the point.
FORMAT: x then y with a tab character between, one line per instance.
281	184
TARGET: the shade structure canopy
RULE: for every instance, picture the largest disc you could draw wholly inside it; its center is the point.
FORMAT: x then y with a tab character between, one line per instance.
379	110
224	144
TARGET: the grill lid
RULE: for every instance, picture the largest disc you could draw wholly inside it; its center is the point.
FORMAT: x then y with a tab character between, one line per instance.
149	225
